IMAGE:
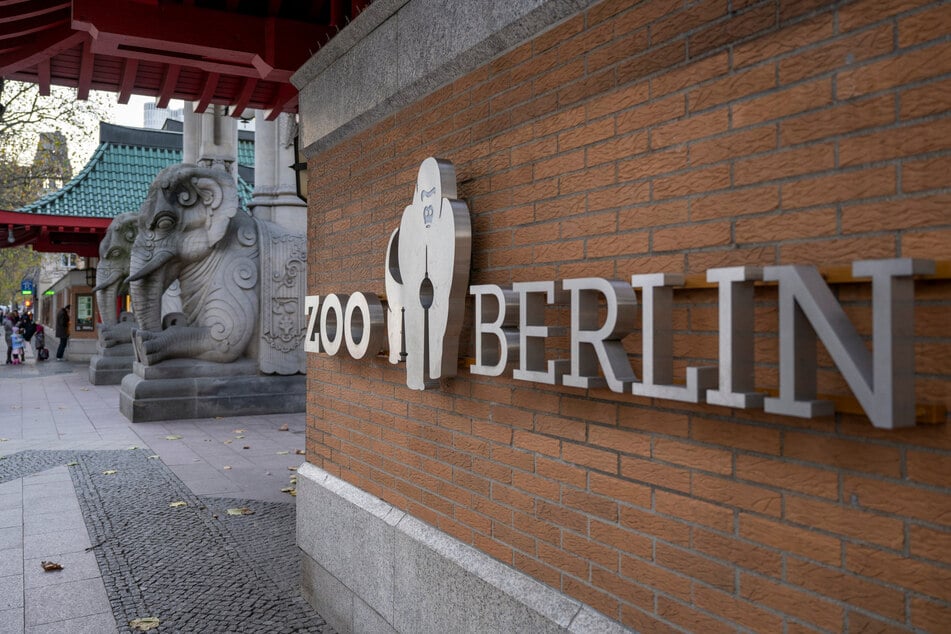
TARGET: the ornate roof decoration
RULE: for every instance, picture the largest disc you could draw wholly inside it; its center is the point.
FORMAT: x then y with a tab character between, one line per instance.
236	53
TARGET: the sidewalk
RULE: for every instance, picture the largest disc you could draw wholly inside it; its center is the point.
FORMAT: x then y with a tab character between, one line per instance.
138	515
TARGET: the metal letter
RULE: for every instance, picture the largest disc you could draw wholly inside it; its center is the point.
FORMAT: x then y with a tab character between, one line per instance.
532	333
394	300
312	338
657	299
331	323
883	383
603	344
363	325
492	359
736	388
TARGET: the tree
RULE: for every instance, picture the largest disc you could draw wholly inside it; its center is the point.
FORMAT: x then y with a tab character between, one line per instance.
58	120
41	138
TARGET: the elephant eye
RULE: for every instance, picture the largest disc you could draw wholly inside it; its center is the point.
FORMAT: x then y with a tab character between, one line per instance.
115	253
164	222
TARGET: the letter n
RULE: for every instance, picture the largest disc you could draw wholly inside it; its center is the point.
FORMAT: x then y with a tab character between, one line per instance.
882	381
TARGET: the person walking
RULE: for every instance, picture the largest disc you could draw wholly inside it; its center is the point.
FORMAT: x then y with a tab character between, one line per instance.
39	344
62	331
8	335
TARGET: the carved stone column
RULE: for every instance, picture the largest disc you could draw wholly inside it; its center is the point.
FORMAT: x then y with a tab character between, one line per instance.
211	139
275	187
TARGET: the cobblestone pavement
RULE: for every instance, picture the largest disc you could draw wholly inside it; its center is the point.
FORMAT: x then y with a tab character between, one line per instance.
193	566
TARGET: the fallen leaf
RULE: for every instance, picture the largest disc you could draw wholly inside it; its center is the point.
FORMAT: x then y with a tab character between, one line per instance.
290	490
84	389
110	472
228	442
4	439
300	452
239	437
173	437
177	505
282	453
50	566
144	624
292	468
154	456
227	467
240	431
246	447
132	448
284	427
243	510
72	464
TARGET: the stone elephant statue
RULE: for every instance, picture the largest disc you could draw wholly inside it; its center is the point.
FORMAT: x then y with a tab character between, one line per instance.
112	275
241	280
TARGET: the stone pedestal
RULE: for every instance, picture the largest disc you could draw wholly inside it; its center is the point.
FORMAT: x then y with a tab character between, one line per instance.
109	365
186	388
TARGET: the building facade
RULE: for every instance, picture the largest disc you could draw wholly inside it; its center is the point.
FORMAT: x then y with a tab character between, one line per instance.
608	140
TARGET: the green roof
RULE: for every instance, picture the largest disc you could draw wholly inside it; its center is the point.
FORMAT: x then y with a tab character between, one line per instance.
117	177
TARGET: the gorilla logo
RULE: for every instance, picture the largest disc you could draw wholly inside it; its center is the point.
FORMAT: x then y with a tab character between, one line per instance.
427	275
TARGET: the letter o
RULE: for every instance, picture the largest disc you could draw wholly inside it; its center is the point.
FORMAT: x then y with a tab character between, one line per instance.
363	325
332	323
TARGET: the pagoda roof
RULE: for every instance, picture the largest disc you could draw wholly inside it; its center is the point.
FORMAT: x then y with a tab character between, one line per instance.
117	177
115	180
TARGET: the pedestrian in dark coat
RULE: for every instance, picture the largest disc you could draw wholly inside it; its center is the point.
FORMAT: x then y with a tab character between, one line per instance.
62	331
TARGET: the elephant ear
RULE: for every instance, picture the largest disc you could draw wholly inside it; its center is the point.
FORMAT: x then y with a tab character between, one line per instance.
220	201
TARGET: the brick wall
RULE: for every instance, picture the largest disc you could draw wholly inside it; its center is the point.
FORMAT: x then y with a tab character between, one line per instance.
644	137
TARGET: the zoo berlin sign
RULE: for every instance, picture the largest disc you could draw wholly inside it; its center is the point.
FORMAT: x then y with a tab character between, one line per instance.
427	272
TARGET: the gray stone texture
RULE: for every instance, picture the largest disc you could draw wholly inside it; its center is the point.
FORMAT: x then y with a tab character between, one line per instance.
397	51
225	393
370	567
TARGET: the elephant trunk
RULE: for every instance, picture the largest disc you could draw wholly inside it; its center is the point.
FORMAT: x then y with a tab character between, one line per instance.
147	303
106	298
148	279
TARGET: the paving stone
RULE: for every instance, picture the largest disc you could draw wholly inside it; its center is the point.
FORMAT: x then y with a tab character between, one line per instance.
196	568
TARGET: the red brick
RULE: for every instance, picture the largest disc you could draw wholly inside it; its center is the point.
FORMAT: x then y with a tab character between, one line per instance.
846	587
732	493
929	543
921	211
695	511
649	523
830	56
919	576
844	454
802	605
782	103
733	145
654	473
891	72
788	475
845	521
786	41
929	615
690	129
618	489
785	164
896	142
693	455
689	618
657	577
840	187
787	226
591	458
736	609
898	499
932	98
